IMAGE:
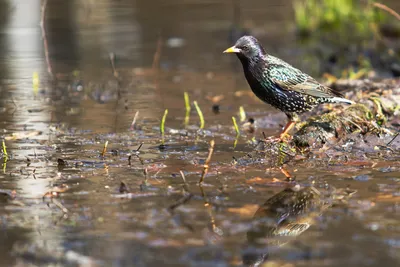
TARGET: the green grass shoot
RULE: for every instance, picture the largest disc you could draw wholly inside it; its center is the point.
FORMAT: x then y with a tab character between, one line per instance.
235	126
236	130
162	126
242	114
4	149
187	107
200	113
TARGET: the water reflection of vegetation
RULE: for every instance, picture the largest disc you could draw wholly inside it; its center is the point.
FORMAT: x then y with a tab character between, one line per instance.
354	39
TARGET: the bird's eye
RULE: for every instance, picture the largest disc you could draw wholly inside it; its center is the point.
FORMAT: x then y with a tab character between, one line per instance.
245	48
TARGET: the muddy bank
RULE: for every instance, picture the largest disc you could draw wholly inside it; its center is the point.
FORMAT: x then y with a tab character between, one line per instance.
370	126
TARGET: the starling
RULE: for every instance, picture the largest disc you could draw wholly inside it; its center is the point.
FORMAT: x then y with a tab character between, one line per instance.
279	84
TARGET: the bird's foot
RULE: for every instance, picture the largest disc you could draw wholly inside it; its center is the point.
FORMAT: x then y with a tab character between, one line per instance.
283	138
272	139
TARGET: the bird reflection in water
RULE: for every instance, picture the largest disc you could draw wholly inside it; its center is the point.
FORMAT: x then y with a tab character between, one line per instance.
281	218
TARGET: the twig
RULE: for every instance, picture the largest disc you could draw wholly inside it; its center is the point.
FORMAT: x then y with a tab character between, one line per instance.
12	100
206	164
183	176
181	201
139	147
134	120
104	149
59	205
391	141
264	135
387	9
43	28
157	55
185	186
209	209
112	61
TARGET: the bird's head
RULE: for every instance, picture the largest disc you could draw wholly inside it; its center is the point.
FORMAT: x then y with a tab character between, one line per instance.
248	47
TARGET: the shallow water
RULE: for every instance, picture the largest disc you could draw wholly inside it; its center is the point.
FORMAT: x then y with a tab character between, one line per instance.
73	118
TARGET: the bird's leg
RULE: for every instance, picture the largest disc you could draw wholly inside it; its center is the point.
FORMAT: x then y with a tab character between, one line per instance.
292	120
286	130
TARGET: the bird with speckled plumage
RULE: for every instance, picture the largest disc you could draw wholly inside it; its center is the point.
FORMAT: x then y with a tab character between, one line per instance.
279	84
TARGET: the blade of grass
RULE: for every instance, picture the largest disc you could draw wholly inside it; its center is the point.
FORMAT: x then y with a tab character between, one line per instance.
187	107
162	126
4	149
235	126
242	114
200	113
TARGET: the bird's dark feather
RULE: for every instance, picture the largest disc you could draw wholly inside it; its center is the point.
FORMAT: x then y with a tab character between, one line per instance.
280	84
289	78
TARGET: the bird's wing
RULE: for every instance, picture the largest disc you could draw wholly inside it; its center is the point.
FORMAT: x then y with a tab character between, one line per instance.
291	79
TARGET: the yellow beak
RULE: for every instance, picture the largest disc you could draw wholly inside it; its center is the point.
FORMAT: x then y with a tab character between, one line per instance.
232	49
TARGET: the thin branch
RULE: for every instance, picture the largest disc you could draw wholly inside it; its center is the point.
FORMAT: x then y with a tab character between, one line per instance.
134	120
387	9
157	55
391	141
206	164
44	36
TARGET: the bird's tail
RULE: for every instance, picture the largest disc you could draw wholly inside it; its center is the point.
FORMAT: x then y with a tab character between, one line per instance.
342	100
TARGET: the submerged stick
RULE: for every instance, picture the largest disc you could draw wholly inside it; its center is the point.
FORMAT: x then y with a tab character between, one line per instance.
206	164
183	176
157	55
112	61
207	204
59	205
391	141
162	126
187	107
200	113
185	185
181	201
44	36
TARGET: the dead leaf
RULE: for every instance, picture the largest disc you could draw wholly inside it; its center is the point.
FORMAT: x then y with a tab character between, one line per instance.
259	180
215	99
247	210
